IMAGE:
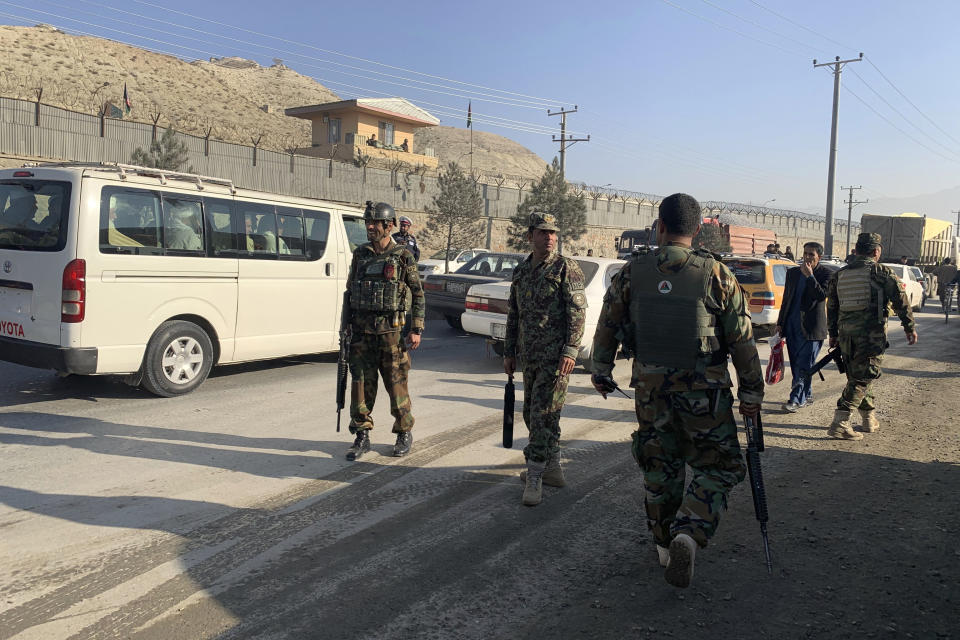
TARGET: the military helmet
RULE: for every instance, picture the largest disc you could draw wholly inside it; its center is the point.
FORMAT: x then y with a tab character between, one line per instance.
379	211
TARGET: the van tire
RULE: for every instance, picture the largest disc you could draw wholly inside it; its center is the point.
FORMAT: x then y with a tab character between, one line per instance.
190	358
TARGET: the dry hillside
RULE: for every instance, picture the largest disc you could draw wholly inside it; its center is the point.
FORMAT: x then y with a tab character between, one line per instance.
491	153
227	94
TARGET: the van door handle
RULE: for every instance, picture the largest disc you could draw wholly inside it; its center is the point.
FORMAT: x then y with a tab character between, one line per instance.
329	268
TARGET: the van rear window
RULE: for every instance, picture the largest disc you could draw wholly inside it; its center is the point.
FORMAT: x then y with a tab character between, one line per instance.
747	271
34	215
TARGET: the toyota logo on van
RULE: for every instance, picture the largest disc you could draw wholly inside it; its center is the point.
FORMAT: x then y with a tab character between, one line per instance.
7	266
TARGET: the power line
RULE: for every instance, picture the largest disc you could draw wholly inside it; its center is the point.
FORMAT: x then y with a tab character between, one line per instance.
897	111
902	95
888	121
723	26
344	55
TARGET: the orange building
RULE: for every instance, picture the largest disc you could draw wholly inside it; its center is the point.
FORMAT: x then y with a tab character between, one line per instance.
382	128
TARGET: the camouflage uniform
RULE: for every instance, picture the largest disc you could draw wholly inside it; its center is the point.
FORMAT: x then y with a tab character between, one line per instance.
862	333
685	415
545	320
377	282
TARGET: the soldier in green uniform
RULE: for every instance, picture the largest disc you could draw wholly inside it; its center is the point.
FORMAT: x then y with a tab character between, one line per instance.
545	320
679	312
381	276
857	297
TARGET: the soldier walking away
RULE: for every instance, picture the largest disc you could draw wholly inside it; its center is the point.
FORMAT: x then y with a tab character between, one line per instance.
945	273
857	298
679	311
381	275
545	320
405	239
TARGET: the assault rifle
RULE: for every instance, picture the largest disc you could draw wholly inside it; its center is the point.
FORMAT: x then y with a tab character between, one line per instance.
508	402
608	384
754	428
343	370
343	360
833	354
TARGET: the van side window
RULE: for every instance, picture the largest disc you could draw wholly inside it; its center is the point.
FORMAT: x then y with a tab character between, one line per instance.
128	220
259	224
221	237
317	227
289	232
780	274
182	224
356	231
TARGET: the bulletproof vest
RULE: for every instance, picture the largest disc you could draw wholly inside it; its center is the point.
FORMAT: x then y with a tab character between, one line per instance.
668	311
853	288
378	285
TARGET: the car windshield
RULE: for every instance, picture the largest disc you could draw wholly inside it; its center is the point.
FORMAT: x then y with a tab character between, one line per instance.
33	215
491	264
589	270
449	255
747	271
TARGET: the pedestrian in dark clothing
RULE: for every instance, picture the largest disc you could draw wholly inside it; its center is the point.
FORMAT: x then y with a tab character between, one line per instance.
803	321
788	254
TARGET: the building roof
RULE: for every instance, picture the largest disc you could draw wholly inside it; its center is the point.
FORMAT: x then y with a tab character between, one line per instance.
396	108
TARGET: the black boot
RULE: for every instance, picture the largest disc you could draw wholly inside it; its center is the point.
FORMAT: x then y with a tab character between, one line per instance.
404	442
360	446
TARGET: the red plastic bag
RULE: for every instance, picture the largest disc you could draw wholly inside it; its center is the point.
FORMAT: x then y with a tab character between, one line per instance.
775	363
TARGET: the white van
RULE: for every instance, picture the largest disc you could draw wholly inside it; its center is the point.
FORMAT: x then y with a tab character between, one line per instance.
159	275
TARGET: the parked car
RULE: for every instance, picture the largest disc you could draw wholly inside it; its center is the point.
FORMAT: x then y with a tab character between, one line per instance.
486	304
912	282
445	292
437	264
763	280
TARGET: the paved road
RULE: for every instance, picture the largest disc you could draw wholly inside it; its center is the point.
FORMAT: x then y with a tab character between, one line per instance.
232	513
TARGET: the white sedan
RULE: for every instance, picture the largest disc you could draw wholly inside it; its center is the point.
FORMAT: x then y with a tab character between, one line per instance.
486	304
911	282
437	264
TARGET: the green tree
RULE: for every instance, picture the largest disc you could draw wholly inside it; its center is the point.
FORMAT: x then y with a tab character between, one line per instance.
166	153
550	195
454	218
712	238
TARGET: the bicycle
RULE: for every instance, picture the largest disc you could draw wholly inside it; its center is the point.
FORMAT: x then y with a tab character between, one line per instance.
946	300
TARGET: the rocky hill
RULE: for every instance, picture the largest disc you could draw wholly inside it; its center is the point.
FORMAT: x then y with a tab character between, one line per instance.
238	98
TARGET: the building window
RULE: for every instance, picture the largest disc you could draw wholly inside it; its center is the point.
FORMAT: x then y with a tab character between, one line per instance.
386	132
333	131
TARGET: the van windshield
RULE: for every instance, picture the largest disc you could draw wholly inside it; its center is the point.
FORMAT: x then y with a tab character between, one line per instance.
33	215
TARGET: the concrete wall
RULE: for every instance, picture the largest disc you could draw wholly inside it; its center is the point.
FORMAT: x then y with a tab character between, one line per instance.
27	130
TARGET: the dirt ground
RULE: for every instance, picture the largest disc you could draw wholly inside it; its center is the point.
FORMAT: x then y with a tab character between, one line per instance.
438	546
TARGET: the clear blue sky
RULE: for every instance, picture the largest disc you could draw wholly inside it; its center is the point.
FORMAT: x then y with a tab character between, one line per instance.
717	98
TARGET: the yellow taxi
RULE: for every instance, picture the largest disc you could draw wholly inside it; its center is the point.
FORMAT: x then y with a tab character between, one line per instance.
763	280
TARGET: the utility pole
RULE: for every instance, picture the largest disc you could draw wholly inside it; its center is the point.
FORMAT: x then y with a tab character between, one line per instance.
563	139
831	171
956	229
850	202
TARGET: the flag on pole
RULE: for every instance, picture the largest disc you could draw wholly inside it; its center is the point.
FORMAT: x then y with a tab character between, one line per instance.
126	98
470	114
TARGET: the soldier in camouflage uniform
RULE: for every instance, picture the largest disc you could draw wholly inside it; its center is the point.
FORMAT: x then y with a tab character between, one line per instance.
545	320
679	312
857	298
381	276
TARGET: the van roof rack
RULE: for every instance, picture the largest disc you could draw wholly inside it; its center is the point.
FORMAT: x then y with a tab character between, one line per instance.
162	174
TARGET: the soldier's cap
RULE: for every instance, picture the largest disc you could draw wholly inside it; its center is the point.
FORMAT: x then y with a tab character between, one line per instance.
868	242
405	220
545	221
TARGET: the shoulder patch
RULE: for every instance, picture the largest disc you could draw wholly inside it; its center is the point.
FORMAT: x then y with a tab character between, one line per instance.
580	299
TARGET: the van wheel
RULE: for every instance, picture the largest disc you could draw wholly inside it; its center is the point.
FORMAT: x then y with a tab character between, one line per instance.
179	357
